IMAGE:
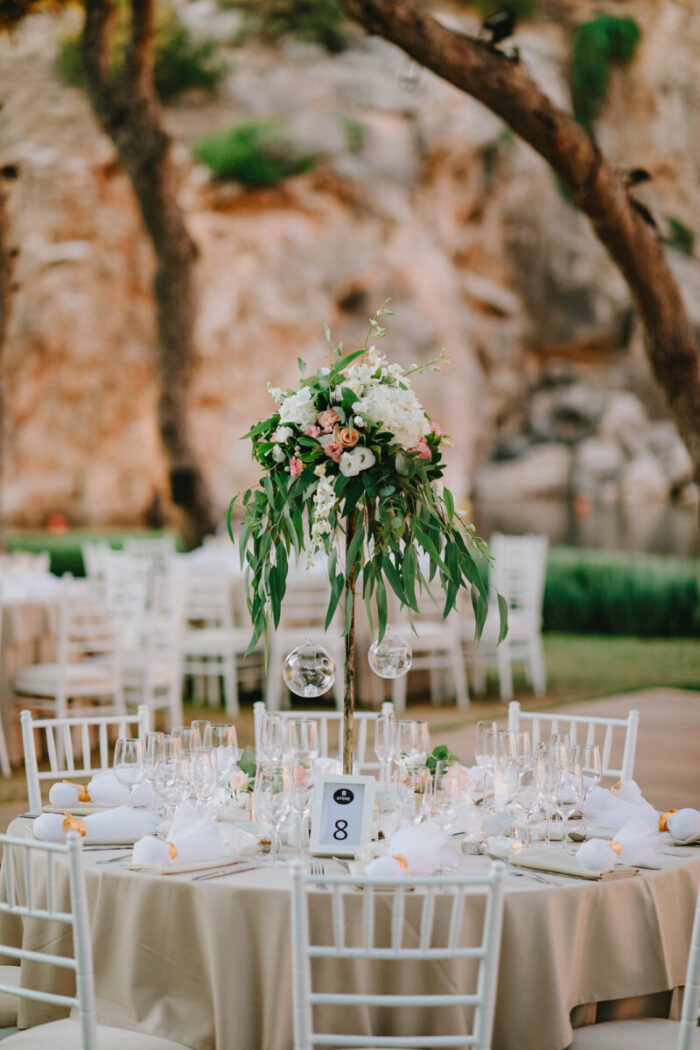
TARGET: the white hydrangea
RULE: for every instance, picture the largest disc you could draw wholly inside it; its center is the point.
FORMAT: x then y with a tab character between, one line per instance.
282	434
299	408
398	410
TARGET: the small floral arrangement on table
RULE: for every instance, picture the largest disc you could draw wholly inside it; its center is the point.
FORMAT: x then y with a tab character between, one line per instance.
351	451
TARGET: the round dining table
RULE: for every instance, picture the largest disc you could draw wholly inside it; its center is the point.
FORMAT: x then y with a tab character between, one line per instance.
207	962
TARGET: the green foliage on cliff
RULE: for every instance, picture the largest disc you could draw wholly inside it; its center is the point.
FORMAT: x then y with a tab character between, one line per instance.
598	45
255	153
318	21
180	62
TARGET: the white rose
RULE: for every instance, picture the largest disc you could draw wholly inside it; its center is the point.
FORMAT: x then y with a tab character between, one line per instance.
355	460
283	434
299	408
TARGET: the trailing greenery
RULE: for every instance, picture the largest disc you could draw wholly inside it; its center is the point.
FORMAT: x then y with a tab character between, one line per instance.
605	592
680	237
597	45
180	62
65	548
318	21
255	153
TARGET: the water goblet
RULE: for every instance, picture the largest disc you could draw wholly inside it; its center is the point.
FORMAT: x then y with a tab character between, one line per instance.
128	764
272	799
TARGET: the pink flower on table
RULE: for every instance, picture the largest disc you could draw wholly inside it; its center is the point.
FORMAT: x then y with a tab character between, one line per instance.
327	418
423	450
295	466
239	781
312	431
334	450
437	431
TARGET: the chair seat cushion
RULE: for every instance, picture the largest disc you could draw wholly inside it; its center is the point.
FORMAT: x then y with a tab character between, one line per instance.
8	1003
65	1035
648	1033
88	678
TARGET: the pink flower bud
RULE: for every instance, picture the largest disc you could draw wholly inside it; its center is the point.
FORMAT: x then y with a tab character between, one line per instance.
295	466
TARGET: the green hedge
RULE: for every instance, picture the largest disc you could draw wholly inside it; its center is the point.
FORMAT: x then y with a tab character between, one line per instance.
606	592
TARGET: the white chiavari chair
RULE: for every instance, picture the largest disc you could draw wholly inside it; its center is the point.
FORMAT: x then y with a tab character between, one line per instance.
41	897
5	766
77	748
88	660
518	573
616	737
331	732
433	936
653	1033
303	619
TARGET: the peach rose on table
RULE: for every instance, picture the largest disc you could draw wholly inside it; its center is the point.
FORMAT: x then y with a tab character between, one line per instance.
346	436
327	419
295	466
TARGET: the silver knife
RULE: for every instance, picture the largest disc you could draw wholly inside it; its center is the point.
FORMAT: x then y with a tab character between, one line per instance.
223	871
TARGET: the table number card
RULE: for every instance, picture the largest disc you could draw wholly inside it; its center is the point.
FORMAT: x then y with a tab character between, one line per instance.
342	815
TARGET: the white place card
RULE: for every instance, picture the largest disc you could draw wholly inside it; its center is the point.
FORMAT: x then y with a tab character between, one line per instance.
341	819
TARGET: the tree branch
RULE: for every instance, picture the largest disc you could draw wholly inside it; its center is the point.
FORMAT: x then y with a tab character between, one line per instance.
508	90
139	55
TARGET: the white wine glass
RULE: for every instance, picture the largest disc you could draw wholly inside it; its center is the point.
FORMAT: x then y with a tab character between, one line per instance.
128	764
384	738
272	796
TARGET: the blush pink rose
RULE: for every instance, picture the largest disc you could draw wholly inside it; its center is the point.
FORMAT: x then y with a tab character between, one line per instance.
334	450
312	431
295	466
423	450
327	418
435	427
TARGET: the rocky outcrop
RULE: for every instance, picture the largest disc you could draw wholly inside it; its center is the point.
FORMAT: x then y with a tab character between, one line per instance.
418	193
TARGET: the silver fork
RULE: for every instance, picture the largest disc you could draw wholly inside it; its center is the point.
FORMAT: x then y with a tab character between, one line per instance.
317	867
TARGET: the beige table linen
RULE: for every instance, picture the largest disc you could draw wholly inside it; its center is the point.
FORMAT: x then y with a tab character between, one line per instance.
208	963
28	637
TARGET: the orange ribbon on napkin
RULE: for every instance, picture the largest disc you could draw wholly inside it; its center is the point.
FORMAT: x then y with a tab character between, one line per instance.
172	850
663	819
71	823
401	860
83	793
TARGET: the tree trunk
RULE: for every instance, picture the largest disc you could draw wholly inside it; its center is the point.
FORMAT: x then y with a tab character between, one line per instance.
128	112
503	84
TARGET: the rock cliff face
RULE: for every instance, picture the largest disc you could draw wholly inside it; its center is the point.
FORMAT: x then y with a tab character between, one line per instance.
424	197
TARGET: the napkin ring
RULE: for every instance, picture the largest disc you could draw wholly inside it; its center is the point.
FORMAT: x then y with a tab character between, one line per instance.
616	847
401	860
83	793
663	819
71	823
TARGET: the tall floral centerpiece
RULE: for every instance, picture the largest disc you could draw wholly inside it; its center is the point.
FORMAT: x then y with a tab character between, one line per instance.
352	467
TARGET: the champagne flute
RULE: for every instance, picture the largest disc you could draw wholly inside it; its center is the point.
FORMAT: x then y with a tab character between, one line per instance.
225	746
272	742
384	735
406	741
422	741
486	742
587	756
201	729
301	738
128	764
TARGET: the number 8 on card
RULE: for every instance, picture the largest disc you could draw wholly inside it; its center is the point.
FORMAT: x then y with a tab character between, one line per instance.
341	819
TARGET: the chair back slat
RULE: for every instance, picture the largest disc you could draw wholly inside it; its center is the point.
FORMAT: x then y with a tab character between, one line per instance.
63	759
42	907
616	737
422	938
338	919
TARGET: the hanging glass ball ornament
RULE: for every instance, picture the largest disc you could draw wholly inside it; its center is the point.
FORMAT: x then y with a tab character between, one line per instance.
390	658
309	670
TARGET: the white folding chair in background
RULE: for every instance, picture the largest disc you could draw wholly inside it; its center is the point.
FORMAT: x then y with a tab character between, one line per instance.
434	935
303	619
39	900
518	573
69	744
331	732
617	750
653	1033
5	766
88	660
436	646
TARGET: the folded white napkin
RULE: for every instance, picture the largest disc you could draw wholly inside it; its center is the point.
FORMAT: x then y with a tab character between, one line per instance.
640	841
191	838
554	859
413	850
105	789
684	825
122	824
610	809
67	795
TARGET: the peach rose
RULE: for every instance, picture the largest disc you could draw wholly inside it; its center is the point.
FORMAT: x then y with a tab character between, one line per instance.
295	466
346	436
327	418
423	450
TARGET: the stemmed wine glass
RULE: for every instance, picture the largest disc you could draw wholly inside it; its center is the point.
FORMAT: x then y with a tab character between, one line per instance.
272	799
486	749
572	791
201	732
128	764
301	749
384	738
587	756
271	745
224	742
